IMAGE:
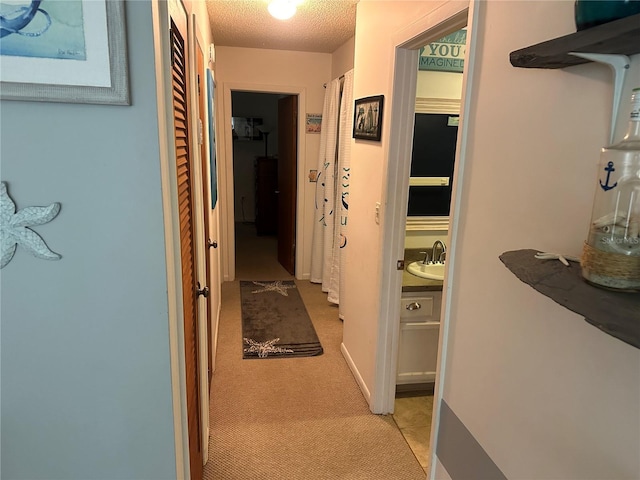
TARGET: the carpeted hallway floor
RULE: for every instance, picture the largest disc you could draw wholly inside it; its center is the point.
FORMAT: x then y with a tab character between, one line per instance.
298	418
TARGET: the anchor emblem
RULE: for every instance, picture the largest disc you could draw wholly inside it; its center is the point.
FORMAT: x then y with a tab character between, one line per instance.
609	168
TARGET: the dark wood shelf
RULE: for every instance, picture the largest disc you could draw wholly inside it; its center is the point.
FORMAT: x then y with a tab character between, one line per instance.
615	313
618	37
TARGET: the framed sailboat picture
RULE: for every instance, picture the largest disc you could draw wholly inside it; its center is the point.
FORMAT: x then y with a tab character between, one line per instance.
367	118
64	51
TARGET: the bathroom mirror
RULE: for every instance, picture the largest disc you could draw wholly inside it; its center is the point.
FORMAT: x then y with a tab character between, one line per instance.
437	110
432	162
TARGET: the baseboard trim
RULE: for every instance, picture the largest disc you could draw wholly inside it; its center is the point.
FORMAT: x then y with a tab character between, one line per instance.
356	374
214	341
205	449
460	453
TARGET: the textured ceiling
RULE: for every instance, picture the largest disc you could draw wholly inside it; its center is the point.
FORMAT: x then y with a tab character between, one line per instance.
318	26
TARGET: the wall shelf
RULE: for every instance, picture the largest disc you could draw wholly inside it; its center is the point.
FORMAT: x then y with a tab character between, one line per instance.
615	313
620	37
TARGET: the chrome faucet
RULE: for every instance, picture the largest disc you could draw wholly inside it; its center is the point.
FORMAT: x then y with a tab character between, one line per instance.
441	257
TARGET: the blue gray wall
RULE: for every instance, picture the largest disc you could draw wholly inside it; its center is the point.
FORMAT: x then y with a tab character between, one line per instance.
85	372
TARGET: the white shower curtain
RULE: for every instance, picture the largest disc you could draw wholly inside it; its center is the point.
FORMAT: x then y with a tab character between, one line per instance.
332	188
342	188
323	225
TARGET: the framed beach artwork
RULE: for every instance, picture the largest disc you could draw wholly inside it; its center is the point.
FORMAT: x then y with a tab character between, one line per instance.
64	51
367	118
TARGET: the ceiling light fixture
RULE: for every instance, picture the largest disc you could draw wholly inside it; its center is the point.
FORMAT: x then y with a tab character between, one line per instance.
282	9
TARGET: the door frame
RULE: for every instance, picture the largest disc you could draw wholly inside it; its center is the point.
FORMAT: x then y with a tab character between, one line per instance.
225	168
195	41
449	17
160	16
161	13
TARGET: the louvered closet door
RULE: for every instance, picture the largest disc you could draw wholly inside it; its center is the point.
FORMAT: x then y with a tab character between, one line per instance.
187	247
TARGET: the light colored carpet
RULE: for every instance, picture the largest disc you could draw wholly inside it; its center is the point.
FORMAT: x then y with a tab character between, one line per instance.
297	419
257	257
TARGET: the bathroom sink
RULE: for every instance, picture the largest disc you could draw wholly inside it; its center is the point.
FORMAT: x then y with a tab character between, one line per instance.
432	271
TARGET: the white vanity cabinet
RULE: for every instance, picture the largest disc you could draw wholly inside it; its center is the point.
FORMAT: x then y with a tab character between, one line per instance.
419	330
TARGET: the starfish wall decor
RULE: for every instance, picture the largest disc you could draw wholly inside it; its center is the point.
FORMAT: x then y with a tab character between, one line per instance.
14	229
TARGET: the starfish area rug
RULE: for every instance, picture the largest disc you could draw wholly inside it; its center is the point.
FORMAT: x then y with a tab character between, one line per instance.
275	323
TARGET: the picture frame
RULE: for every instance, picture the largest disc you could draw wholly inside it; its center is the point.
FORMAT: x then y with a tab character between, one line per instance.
211	88
367	118
72	52
246	128
314	123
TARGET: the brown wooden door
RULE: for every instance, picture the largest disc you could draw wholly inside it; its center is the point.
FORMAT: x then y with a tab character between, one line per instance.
287	163
206	197
187	246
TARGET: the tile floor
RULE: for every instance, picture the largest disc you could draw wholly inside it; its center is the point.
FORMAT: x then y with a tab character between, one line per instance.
413	417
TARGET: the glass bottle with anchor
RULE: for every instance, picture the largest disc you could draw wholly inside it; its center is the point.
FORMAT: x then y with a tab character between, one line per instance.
611	254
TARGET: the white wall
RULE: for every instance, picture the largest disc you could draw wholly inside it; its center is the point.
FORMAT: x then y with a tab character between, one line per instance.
342	58
439	84
424	238
273	71
372	76
86	384
547	395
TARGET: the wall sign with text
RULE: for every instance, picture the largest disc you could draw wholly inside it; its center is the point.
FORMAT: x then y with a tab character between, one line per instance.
445	54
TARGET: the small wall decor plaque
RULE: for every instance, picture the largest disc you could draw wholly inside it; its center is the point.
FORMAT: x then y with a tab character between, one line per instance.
314	122
445	54
14	228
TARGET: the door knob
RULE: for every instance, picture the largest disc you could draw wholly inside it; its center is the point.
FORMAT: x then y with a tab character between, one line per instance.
204	291
212	243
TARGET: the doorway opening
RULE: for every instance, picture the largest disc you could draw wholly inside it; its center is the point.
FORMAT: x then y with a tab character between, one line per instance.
452	17
435	132
265	151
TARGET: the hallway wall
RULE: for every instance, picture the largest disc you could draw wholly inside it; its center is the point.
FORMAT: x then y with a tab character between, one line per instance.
342	58
547	395
86	380
544	394
372	76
